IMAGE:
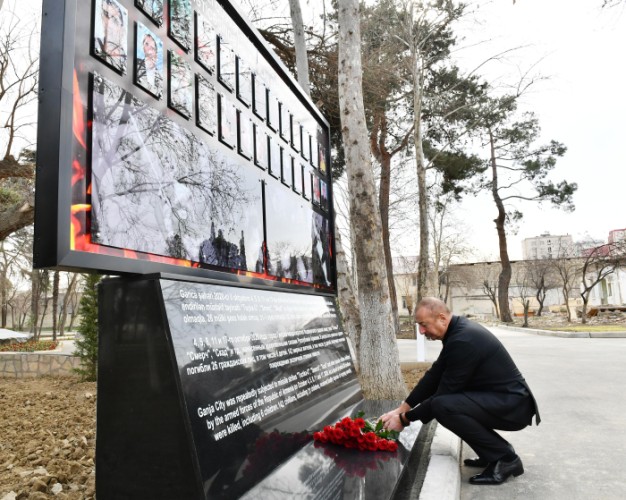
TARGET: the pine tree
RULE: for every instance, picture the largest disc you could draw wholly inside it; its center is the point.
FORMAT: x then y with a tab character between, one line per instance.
87	344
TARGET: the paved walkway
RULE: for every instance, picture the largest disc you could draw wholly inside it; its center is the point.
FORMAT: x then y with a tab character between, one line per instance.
579	450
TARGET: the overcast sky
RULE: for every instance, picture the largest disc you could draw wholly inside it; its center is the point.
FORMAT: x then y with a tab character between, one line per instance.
580	47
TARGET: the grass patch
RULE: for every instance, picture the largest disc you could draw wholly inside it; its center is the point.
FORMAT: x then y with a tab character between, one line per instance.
586	328
29	346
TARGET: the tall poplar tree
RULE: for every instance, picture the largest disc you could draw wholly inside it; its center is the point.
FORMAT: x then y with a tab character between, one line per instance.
379	380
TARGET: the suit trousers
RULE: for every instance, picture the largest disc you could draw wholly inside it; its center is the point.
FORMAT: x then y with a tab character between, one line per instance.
474	425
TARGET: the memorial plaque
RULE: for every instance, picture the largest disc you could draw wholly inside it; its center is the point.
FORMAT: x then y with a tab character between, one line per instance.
255	365
149	109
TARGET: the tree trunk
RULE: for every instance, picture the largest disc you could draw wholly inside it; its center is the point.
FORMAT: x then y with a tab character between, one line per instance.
55	304
35	284
567	308
347	300
505	274
379	380
583	316
423	289
66	302
382	154
302	65
526	304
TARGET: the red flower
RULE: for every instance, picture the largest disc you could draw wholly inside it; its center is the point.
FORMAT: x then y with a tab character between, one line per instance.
359	422
392	446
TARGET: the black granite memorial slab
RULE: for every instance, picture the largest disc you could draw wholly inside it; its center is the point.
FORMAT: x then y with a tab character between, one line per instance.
227	382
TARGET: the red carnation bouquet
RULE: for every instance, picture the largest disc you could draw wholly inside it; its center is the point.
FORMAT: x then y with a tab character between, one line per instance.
360	434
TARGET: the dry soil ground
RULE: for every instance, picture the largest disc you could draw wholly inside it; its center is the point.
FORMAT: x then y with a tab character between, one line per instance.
47	437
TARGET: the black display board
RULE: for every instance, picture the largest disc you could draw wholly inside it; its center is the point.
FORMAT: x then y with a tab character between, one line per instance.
172	139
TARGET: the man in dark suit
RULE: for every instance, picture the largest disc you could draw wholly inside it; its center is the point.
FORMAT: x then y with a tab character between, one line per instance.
472	389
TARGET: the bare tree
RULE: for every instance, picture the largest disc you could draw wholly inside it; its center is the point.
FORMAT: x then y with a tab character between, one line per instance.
302	64
541	277
378	336
597	263
568	269
525	289
18	86
72	280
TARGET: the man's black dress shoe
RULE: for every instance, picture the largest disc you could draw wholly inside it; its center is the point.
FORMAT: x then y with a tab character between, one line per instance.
498	472
475	462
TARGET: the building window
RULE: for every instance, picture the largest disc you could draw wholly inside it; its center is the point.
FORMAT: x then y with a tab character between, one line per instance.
404	306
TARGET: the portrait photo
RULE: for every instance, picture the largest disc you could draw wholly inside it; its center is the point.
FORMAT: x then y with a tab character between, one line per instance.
322	157
148	61
180	25
324	195
206	105
110	38
181	85
153	9
205	43
316	191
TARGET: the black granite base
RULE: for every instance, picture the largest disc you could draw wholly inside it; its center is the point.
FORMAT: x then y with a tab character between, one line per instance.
214	391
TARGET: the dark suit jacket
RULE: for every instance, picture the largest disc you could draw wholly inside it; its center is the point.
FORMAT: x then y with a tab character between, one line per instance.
474	362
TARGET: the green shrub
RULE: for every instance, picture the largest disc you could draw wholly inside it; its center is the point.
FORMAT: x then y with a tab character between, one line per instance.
87	343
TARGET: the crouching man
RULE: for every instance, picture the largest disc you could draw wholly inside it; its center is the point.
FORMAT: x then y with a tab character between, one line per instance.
471	389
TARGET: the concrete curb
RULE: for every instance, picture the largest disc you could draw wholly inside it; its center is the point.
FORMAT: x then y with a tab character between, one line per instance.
570	335
443	475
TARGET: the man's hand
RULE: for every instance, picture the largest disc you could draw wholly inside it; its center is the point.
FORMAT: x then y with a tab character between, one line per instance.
394	424
392	417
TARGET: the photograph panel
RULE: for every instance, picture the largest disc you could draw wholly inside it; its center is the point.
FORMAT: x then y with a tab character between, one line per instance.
226	63
317	197
180	25
206	105
307	182
289	238
206	43
260	97
153	9
286	171
157	188
276	158
297	176
110	37
273	111
285	122
181	85
261	148
244	82
149	61
321	259
245	135
324	195
227	122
